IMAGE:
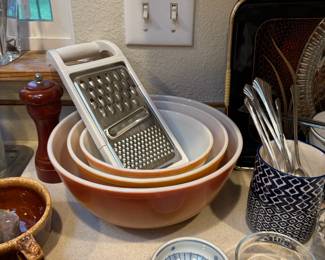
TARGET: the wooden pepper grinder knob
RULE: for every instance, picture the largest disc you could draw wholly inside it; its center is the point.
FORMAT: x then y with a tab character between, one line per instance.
43	101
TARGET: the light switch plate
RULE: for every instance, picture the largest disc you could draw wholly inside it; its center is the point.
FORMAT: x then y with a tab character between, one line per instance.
159	29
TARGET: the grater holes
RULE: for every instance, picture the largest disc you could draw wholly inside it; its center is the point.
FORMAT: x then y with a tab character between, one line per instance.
92	93
143	149
127	105
91	82
99	80
135	103
119	107
100	90
123	73
109	88
124	84
110	109
117	96
108	78
101	101
102	111
133	91
109	100
126	94
93	103
115	75
117	86
82	84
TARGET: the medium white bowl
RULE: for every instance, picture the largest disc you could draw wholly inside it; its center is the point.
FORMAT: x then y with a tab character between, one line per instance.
194	137
102	177
144	207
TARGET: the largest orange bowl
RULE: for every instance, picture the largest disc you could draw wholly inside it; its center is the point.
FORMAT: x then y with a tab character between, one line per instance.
144	207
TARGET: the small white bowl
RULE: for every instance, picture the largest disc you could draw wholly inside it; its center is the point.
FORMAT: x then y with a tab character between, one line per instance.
194	137
189	248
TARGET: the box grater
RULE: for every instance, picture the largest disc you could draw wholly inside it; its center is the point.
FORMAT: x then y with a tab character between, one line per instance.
117	111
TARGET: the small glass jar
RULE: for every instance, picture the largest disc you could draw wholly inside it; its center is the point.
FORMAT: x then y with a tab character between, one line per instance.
271	246
10	44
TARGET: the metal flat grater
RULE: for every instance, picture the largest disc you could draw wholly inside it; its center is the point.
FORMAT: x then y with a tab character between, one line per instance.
117	111
121	110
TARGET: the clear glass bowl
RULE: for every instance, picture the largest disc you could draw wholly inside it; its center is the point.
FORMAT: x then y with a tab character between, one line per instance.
271	246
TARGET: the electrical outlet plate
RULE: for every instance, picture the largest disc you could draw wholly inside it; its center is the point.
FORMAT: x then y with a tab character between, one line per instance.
159	28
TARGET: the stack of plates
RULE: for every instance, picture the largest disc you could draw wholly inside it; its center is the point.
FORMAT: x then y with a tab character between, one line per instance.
150	198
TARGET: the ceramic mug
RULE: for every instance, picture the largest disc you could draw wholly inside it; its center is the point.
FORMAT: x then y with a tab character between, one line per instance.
284	203
28	243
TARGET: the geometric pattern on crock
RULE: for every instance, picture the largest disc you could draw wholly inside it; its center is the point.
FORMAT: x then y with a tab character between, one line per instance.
265	217
287	192
283	203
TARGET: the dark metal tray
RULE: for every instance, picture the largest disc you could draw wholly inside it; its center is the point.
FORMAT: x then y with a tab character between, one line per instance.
265	39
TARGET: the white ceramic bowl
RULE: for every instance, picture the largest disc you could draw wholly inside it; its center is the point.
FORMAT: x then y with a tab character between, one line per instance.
102	177
194	137
188	248
144	207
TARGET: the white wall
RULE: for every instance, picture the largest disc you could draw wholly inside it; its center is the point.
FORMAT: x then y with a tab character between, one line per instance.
195	72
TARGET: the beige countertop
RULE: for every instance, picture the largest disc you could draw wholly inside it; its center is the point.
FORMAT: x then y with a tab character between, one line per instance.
77	234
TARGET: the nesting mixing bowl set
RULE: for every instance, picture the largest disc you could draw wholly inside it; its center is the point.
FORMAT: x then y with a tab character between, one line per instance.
139	198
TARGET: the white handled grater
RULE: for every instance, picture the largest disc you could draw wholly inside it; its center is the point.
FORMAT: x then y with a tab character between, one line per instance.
117	111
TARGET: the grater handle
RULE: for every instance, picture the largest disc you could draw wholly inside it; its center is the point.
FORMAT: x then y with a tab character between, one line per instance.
59	57
78	52
86	50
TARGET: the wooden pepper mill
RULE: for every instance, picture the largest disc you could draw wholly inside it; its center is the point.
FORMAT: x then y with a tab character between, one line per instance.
43	101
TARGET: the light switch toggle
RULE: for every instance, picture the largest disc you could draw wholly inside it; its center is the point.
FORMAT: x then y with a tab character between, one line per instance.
174	12
159	22
145	11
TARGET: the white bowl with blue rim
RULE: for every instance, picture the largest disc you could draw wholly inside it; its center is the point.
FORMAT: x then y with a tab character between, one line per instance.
189	248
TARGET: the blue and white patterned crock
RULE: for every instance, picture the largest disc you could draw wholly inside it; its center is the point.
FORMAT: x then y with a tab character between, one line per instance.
282	202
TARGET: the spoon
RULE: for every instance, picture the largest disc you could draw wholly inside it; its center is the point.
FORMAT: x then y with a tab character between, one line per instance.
298	169
268	118
261	131
287	154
